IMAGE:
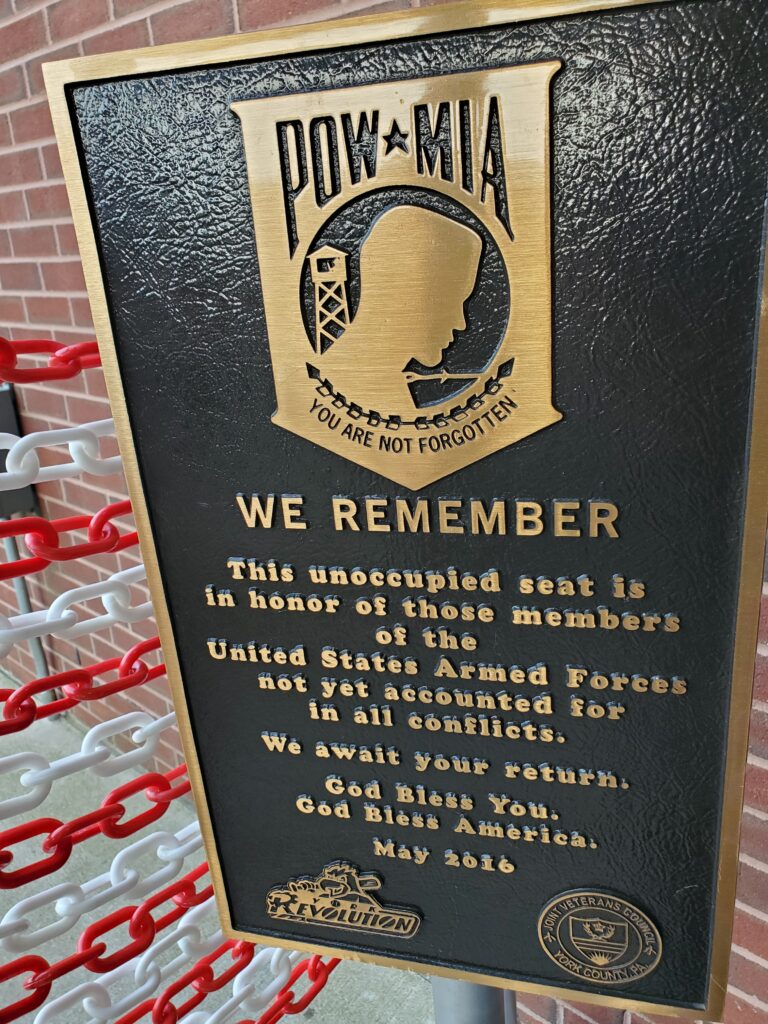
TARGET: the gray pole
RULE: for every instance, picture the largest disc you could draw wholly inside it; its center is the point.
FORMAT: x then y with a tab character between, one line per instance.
22	597
461	1002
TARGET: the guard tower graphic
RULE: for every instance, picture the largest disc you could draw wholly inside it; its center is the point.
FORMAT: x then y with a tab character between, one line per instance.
328	269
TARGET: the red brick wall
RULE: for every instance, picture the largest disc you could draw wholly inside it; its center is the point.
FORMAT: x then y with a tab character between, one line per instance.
42	295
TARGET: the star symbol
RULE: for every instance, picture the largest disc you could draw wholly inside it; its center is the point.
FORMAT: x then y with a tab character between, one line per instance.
395	139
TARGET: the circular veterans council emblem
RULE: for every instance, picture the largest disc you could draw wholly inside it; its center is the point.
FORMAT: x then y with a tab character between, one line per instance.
599	937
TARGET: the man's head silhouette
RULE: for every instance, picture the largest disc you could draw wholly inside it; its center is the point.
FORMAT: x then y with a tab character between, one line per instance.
417	270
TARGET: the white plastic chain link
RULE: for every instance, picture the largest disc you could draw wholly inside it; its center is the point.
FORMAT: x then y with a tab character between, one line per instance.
70	902
22	466
148	975
94	756
62	619
247	998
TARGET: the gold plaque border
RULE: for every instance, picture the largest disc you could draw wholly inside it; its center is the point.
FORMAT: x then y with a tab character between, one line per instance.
467	14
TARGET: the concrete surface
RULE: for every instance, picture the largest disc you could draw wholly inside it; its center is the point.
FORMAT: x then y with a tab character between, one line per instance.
355	994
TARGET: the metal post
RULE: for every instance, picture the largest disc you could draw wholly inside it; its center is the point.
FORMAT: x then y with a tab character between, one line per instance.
510	1007
460	1002
22	598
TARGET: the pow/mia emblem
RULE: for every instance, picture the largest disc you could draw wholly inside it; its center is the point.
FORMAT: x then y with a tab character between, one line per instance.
340	897
599	938
403	236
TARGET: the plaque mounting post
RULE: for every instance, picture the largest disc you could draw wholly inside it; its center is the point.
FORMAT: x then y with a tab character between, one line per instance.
461	1002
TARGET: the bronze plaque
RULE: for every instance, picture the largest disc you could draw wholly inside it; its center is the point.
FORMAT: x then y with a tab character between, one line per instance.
433	346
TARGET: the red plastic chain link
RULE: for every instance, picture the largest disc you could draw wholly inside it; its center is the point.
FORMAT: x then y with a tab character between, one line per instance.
151	783
162	1010
182	893
43	538
142	929
242	954
30	1002
61	837
64	361
202	979
164	796
44	866
103	535
46	976
19	709
317	970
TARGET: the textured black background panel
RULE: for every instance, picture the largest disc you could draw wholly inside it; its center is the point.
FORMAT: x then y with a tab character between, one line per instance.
659	137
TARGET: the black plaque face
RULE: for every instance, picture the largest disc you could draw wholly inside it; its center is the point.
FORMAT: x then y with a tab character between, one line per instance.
434	352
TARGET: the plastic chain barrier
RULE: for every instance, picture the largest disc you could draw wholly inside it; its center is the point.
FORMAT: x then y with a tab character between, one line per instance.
39	774
64	361
91	950
142	928
60	837
147	974
143	950
22	464
143	976
171	904
43	538
19	709
246	996
317	971
70	902
61	619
